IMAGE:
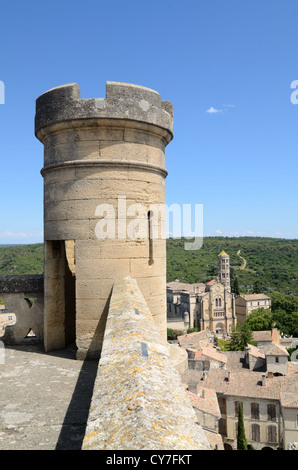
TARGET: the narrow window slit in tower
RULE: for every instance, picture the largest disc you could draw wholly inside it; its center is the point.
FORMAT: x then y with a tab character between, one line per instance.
150	237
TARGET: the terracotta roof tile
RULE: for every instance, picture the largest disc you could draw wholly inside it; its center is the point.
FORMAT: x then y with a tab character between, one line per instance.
275	350
206	401
255	297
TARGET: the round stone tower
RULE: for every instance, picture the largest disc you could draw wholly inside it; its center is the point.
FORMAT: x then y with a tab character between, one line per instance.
223	265
104	200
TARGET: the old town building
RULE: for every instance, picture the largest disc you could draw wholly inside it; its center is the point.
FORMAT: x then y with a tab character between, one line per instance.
205	306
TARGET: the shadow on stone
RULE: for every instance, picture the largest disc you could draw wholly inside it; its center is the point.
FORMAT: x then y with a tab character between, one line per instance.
75	421
74	425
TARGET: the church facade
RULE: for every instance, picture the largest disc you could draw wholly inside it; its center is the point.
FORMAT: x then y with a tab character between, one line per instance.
205	306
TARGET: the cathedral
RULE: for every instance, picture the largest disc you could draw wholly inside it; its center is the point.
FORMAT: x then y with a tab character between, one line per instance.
204	306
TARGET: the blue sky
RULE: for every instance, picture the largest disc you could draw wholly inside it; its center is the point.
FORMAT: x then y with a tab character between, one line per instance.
235	58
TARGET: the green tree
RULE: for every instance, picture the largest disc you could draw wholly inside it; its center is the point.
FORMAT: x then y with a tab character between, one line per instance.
240	337
260	319
241	438
236	288
287	323
286	302
173	334
257	287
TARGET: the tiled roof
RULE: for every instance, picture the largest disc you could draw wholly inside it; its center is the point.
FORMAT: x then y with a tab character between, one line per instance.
241	384
208	404
289	391
287	341
255	297
194	340
235	360
213	353
249	384
275	350
262	335
292	367
254	351
183	286
214	439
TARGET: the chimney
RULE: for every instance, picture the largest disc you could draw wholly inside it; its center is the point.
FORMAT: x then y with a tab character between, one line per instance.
228	377
264	381
275	336
202	393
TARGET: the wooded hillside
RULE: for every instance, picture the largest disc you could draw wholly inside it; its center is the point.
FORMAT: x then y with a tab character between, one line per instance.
271	261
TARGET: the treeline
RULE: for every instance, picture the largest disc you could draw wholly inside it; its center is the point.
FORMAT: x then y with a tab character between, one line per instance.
271	263
21	259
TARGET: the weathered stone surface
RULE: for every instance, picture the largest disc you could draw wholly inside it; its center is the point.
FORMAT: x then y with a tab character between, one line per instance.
15	293
44	400
101	152
138	400
123	101
24	284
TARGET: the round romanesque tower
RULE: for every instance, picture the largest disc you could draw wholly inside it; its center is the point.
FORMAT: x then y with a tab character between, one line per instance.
104	202
223	269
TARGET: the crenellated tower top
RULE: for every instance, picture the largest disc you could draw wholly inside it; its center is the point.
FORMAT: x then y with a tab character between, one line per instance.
123	101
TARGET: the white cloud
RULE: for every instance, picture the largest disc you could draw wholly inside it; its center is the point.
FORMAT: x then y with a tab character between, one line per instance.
212	110
218	231
9	234
20	237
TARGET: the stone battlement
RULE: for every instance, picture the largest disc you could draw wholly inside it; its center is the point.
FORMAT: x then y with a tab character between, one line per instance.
123	101
138	399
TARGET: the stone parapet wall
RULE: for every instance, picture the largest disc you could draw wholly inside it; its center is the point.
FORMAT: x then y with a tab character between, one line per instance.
32	283
138	400
17	293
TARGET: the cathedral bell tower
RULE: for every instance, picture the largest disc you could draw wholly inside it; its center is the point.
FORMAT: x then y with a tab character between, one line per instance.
223	269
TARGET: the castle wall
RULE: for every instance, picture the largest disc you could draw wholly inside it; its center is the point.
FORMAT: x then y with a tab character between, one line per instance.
138	400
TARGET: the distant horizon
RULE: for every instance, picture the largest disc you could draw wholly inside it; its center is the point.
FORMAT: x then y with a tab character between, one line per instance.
177	238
